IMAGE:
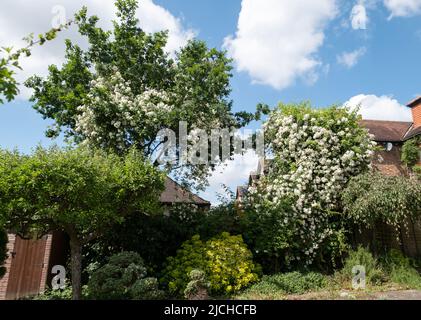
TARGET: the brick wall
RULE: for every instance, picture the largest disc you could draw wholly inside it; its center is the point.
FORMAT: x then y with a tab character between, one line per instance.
4	280
416	115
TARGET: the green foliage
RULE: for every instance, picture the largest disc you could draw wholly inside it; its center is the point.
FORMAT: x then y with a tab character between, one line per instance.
222	218
333	249
198	286
158	236
262	234
61	294
9	62
362	257
374	197
315	153
225	259
417	171
123	277
411	152
80	191
288	283
400	269
3	251
196	80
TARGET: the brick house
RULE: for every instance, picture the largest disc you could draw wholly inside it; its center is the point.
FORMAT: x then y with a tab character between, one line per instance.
30	261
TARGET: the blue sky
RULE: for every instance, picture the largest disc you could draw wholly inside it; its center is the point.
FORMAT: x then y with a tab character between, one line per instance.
325	51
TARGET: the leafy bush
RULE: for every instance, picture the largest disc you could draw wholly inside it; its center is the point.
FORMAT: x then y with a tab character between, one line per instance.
3	251
223	218
123	277
410	152
158	236
61	294
400	269
363	257
146	289
225	259
197	288
261	233
373	197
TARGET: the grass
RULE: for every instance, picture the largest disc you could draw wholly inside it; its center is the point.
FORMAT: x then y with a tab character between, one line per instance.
277	286
388	274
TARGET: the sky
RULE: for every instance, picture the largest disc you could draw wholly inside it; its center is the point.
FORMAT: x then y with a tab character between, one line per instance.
361	52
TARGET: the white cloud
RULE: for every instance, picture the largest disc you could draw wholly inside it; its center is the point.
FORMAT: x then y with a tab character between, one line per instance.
155	18
350	59
19	18
232	173
277	40
359	17
380	108
403	8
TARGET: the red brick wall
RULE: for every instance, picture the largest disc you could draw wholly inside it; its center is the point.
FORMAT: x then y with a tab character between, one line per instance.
4	280
416	115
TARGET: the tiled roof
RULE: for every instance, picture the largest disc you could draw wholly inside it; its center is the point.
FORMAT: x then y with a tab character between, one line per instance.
387	131
414	102
175	193
413	132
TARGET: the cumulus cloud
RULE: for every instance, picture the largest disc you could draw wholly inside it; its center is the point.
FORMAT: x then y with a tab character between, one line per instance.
277	40
350	59
19	18
359	17
374	107
403	8
232	173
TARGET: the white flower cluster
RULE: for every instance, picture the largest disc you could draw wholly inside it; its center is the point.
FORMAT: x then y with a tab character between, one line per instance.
116	117
313	161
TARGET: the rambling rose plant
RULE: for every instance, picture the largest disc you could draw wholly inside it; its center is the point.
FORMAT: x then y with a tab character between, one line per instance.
316	152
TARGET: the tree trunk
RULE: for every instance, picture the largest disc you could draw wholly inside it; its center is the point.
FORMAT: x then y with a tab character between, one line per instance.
76	265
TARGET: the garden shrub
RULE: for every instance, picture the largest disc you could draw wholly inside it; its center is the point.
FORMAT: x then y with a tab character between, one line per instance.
197	288
146	289
225	259
123	277
400	269
261	233
156	237
373	197
61	294
3	251
363	257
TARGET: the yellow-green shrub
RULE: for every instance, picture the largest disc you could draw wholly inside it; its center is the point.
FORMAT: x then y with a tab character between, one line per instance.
225	259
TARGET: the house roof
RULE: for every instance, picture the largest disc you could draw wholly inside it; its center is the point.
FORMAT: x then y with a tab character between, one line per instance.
387	131
413	132
175	193
414	102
